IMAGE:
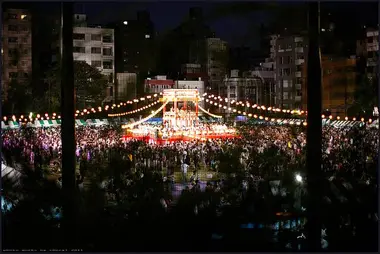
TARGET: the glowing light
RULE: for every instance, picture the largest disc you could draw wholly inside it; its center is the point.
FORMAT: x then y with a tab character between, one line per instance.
298	178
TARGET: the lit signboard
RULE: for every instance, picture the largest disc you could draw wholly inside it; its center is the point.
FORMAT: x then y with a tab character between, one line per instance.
180	94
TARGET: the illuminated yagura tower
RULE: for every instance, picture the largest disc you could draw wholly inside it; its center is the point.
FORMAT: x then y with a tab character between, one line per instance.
181	113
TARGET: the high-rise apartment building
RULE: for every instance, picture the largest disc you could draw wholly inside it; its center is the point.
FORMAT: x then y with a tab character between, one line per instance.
135	44
212	54
372	51
290	53
270	62
16	48
242	86
338	84
95	46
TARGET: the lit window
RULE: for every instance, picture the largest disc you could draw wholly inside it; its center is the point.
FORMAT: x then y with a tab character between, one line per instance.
147	36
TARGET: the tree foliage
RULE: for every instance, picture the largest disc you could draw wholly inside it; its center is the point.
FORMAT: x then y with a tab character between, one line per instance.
365	97
18	97
90	86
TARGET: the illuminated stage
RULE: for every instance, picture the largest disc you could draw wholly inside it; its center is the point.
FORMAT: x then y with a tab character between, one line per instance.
179	123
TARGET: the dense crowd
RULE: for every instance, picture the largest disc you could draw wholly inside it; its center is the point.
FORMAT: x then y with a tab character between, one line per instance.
142	173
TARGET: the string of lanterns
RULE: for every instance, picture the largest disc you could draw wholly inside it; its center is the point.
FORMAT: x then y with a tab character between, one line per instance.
134	111
32	117
270	119
153	113
338	118
254	105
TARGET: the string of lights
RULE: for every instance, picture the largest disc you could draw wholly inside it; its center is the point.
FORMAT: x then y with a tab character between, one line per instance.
253	105
131	125
31	117
234	110
134	111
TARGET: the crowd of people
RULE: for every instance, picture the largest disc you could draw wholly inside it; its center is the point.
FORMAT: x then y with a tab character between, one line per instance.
137	174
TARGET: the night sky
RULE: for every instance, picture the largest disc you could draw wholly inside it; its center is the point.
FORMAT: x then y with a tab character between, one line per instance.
233	29
167	16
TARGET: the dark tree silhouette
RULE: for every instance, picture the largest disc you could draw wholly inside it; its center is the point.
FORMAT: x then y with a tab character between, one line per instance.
90	86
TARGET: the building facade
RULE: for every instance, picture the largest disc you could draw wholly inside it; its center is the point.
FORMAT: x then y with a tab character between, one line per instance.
126	86
158	84
372	49
290	54
338	84
241	86
212	55
135	44
270	62
194	72
16	48
95	46
268	92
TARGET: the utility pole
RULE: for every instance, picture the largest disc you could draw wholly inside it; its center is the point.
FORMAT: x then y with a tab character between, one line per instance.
68	125
314	130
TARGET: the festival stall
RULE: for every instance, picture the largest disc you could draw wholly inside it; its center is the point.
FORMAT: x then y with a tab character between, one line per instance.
53	123
80	122
13	125
46	123
4	126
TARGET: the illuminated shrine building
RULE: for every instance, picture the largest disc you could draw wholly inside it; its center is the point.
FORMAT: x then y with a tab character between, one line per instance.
183	108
